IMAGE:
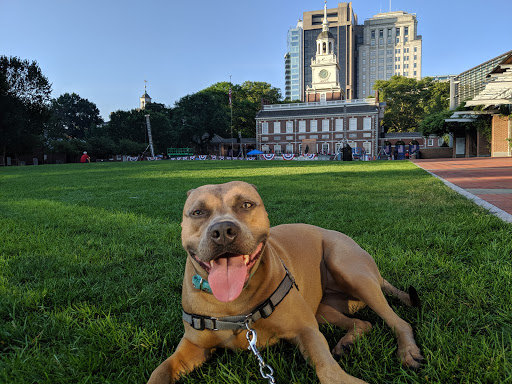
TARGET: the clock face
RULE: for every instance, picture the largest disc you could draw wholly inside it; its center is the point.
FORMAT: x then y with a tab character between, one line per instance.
323	74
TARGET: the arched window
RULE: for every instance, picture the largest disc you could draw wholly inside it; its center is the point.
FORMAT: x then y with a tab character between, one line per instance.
324	47
330	47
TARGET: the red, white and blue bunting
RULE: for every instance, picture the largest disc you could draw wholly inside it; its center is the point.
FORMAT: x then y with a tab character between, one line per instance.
310	156
214	157
268	156
203	157
251	158
192	157
288	156
153	158
130	158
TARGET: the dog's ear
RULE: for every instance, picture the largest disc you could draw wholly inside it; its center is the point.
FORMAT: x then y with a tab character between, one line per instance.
189	192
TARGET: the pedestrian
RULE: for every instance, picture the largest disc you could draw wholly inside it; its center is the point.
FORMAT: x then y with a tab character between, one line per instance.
85	158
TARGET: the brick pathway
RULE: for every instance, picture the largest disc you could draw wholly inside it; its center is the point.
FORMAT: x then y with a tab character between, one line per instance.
487	178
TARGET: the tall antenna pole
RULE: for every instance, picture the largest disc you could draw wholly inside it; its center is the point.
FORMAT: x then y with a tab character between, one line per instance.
389	5
231	123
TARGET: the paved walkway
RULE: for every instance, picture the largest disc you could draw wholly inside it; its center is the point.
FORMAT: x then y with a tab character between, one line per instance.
486	180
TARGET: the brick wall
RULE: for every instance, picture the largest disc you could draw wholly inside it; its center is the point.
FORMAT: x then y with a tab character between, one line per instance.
500	133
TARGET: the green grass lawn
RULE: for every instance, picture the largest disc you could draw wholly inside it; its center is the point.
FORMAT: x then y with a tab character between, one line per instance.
91	269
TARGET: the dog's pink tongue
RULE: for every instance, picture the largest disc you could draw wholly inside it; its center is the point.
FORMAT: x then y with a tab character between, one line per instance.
227	277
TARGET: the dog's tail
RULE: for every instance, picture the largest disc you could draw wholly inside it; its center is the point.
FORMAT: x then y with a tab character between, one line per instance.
410	299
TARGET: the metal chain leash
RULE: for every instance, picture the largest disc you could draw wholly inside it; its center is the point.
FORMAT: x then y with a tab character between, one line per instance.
252	338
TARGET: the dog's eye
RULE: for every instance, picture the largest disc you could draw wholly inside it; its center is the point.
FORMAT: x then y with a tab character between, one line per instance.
247	205
197	212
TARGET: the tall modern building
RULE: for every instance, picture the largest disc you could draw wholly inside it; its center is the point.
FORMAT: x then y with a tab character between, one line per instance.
294	70
390	46
341	26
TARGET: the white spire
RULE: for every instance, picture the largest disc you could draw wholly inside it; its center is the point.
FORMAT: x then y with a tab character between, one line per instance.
325	23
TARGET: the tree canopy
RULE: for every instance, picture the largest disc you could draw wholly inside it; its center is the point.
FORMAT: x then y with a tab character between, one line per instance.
25	95
73	116
71	124
409	100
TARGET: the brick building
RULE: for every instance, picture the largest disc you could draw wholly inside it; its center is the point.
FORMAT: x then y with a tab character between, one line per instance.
319	127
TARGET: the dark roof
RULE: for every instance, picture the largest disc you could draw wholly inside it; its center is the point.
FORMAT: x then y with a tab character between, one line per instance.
325	34
269	114
146	95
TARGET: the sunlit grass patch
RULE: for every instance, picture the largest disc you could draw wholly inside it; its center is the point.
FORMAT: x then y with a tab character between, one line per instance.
91	269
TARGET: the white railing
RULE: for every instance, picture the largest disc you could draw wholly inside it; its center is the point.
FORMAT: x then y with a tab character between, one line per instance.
318	104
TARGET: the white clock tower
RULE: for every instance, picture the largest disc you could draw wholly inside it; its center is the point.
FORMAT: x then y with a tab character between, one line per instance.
325	68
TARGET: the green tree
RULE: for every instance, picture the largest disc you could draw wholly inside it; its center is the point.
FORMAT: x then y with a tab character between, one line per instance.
73	117
246	102
408	101
127	127
25	95
434	123
197	118
403	103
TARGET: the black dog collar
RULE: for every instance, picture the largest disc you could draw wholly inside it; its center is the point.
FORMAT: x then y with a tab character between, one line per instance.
263	310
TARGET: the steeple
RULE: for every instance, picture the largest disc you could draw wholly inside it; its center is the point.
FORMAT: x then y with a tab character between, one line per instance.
144	99
325	23
324	67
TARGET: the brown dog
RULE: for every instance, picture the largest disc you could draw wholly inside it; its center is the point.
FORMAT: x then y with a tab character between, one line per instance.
250	267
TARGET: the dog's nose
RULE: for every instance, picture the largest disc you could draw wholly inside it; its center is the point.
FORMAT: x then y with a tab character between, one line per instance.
224	232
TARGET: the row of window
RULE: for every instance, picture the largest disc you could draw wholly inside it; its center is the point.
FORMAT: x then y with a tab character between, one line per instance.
320	148
389	32
313	125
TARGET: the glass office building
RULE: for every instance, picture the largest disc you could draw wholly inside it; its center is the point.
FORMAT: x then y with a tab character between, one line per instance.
293	64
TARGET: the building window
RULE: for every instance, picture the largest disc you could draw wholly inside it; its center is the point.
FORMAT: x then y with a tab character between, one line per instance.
313	126
289	148
264	128
397	40
430	142
398	31
352	124
381	33
367	123
339	125
325	148
406	31
289	127
277	127
277	149
325	125
372	34
265	148
302	126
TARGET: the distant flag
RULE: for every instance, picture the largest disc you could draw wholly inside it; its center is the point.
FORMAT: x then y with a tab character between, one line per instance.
229	95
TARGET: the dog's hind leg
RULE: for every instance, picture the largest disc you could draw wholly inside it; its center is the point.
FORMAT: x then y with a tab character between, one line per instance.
331	311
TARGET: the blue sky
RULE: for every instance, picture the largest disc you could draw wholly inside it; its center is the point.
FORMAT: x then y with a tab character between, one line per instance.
104	50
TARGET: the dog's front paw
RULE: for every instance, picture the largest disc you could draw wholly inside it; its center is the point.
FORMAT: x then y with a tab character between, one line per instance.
411	357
